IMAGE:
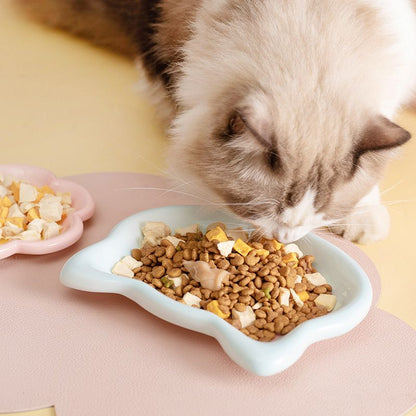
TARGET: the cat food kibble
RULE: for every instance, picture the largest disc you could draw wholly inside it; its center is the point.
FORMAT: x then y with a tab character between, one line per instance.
262	288
28	212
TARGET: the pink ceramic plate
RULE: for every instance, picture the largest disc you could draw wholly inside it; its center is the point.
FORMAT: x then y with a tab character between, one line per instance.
73	227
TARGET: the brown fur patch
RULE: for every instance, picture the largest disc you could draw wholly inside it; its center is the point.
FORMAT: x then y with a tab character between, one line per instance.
86	18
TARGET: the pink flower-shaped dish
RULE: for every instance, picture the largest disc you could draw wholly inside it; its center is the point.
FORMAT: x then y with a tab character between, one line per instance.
72	226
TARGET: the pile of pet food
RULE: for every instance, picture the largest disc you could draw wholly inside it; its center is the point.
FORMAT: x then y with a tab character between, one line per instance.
263	288
28	212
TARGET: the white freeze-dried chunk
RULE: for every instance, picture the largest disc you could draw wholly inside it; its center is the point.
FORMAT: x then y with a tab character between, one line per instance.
122	270
50	208
27	192
28	235
154	232
36	225
191	299
284	295
50	229
246	318
131	263
327	301
296	298
298	279
194	228
8	180
65	198
15	212
177	281
3	191
293	248
11	229
225	247
315	278
175	241
257	305
26	206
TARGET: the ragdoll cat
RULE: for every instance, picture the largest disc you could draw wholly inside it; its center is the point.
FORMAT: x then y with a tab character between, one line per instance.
280	109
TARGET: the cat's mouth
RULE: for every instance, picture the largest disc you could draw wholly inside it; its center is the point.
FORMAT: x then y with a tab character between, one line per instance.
285	234
288	235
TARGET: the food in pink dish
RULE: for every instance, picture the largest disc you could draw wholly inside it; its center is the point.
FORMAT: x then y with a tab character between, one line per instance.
39	213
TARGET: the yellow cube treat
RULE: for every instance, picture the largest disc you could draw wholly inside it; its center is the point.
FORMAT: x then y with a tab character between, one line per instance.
303	296
214	308
46	190
32	214
3	212
291	257
3	241
241	247
263	253
6	202
276	244
217	234
17	221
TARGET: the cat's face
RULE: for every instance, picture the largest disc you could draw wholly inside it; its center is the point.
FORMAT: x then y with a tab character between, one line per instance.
280	119
285	177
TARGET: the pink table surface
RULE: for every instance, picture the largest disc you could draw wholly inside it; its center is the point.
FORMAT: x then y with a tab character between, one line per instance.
101	354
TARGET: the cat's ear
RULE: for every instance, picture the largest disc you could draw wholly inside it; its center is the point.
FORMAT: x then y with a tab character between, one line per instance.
381	134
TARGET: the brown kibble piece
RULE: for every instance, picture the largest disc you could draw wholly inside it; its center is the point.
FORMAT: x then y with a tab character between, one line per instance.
136	253
319	290
300	287
158	272
259	323
174	272
170	251
237	260
240	307
258	282
252	260
288	328
157	283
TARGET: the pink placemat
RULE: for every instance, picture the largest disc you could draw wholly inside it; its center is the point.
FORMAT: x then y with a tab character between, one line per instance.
101	354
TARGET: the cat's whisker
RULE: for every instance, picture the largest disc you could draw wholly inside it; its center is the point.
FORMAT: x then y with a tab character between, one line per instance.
369	207
385	191
210	202
181	185
167	189
347	224
399	201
